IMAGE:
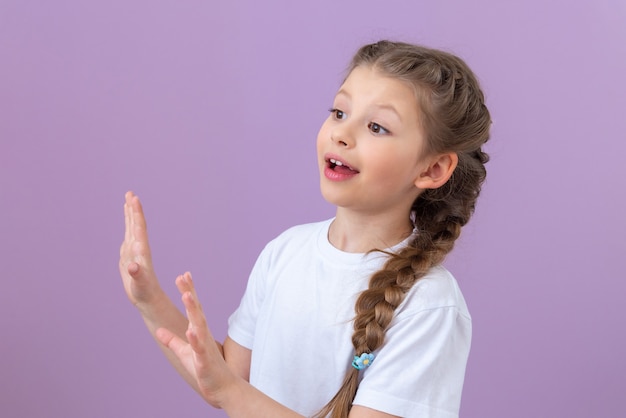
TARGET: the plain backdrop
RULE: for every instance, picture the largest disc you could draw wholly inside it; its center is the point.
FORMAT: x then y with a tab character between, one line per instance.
209	111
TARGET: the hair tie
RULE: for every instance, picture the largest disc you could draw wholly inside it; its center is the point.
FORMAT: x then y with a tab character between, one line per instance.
362	361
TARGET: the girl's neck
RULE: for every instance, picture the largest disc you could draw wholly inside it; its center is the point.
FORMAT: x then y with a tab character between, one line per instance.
358	233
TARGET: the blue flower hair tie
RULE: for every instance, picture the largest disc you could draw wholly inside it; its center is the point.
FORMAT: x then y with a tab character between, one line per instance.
362	361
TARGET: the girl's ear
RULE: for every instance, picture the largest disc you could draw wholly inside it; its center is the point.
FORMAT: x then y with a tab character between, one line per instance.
438	172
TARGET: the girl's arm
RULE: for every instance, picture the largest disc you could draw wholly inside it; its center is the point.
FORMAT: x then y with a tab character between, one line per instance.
215	381
219	375
143	290
238	358
141	284
218	383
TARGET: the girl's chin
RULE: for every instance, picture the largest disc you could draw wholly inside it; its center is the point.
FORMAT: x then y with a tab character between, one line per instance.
335	198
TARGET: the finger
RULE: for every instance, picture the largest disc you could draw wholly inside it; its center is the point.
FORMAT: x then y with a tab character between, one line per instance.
126	222
201	342
126	244
129	214
133	269
181	284
138	219
184	283
197	320
178	346
195	341
207	359
194	312
139	246
169	339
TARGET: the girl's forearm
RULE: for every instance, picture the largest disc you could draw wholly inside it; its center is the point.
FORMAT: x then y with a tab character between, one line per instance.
162	313
242	400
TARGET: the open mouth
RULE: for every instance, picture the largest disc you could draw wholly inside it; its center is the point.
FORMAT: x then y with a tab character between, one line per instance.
340	167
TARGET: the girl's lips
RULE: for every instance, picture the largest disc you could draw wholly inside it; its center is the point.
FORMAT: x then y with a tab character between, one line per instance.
336	162
337	169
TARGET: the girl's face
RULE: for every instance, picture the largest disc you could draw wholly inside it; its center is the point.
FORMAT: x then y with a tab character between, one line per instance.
370	147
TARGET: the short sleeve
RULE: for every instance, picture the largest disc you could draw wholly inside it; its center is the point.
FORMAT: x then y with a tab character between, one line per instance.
242	323
419	371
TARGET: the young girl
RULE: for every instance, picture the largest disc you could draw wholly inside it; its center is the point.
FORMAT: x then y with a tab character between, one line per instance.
354	316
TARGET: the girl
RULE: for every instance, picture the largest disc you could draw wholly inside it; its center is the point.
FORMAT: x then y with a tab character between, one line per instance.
353	316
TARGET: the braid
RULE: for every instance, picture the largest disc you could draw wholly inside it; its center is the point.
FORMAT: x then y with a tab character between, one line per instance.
455	119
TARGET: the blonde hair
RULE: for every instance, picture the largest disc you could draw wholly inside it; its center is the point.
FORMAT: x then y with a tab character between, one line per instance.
455	119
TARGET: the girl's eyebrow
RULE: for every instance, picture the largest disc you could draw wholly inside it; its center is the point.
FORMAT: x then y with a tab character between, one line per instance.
384	106
342	92
390	107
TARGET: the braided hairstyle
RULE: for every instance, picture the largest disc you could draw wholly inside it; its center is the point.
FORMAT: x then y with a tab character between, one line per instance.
455	119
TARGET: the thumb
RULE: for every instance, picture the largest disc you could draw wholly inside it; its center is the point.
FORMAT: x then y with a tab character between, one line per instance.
133	269
139	272
170	340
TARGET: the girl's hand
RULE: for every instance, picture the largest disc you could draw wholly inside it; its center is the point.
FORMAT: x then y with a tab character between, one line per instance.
201	356
136	269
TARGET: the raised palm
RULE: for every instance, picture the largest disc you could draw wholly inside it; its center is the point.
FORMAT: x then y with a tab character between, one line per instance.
140	281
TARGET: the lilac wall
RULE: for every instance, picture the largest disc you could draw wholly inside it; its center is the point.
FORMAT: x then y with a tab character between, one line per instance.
209	110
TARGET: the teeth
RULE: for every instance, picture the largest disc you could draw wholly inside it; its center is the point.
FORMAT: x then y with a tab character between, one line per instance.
332	160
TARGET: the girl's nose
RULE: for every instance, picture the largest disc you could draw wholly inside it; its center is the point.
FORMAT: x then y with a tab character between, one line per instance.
342	136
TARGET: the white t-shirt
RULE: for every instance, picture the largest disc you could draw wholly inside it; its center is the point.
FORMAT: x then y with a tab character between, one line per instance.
296	317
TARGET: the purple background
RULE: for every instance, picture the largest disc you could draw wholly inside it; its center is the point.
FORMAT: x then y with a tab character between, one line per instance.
209	111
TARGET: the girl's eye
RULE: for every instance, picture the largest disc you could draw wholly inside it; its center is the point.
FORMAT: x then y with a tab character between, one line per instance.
338	114
376	128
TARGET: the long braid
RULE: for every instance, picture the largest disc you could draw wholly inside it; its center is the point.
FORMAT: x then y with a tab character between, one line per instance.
455	119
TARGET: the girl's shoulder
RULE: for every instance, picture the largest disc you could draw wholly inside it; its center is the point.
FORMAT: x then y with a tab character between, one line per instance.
438	289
